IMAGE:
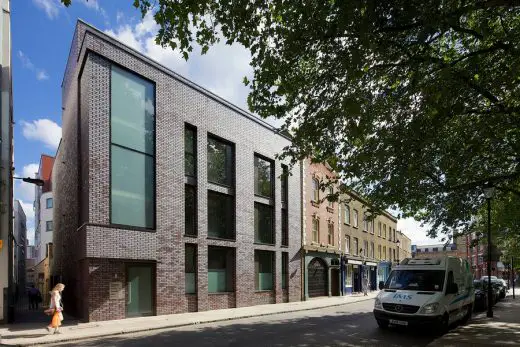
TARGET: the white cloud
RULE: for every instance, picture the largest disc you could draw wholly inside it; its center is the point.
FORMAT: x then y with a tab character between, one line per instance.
25	191
92	4
411	228
119	16
51	7
44	130
221	70
41	74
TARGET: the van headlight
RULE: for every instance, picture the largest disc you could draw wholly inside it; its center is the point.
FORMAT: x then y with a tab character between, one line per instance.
378	304
430	308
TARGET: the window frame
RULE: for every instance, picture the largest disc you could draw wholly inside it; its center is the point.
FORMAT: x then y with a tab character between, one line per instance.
356	219
233	217
346	215
285	271
189	127
195	247
330	203
347	244
154	156
330	233
47	229
356	244
273	225
272	254
233	160
230	268
272	176
316	220
315	190
195	211
47	203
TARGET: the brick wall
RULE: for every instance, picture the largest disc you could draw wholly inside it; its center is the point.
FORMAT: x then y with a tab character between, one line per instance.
177	102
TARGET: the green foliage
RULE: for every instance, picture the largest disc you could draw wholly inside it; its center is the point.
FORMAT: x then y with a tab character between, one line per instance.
417	101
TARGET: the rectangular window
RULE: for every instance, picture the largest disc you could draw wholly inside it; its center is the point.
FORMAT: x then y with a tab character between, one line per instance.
263	177
285	227
356	246
379	229
190	268
285	270
221	162
221	215
284	180
315	229
49	203
390	234
379	252
356	219
347	214
221	268
190	210
365	248
264	274
190	151
435	249
372	227
347	244
264	224
331	234
132	164
315	190
331	195
365	223
393	251
384	231
372	250
49	225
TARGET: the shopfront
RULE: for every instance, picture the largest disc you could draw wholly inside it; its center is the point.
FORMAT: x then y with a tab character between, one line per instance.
383	271
352	275
371	272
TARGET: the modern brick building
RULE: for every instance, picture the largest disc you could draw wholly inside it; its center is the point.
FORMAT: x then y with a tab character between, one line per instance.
167	198
321	242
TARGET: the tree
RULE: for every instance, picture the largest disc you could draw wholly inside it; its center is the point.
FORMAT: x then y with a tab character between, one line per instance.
416	102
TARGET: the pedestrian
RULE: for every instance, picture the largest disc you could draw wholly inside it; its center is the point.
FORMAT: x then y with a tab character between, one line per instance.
34	295
55	309
365	286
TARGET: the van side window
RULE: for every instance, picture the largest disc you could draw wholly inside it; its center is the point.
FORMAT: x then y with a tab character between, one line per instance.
450	277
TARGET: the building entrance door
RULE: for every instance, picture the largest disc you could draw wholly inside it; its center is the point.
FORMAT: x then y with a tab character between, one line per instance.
317	278
139	290
334	282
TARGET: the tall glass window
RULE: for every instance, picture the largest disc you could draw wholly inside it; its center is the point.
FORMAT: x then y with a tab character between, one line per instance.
315	190
356	246
190	151
132	131
347	214
347	244
264	262
190	268
264	224
221	268
356	219
190	210
221	215
315	229
263	177
285	270
330	234
220	162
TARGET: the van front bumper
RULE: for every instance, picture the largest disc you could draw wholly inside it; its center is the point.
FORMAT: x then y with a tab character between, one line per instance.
413	320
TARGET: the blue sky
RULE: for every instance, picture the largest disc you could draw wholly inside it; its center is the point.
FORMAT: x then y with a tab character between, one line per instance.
41	33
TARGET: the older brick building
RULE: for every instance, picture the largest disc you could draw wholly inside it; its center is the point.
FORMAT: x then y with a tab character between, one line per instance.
168	199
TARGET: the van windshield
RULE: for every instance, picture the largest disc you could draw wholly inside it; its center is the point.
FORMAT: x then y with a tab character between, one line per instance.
421	280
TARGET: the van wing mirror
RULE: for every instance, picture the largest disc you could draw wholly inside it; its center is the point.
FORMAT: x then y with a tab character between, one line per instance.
381	285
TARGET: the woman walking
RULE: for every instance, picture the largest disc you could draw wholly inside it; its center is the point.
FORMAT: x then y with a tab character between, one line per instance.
365	285
56	308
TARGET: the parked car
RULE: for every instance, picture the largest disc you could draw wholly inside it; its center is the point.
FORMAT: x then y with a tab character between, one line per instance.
505	283
501	288
481	297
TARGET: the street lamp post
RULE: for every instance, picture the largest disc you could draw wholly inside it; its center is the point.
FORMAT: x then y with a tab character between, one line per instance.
397	243
489	190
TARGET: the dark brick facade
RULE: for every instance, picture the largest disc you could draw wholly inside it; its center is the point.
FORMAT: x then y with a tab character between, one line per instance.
91	253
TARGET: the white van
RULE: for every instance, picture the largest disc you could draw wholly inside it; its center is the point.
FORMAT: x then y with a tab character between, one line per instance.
434	292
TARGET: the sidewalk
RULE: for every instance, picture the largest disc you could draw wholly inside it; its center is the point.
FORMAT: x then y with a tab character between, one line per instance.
28	335
501	330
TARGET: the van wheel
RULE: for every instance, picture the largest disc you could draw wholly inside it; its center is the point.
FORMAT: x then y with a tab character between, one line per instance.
467	316
444	325
383	324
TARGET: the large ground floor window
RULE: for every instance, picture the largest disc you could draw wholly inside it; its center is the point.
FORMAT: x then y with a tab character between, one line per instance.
264	274
221	269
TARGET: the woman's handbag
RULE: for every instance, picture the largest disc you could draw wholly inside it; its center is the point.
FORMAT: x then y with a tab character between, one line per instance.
49	311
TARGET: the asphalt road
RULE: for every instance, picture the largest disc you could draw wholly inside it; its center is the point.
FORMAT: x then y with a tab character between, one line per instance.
346	325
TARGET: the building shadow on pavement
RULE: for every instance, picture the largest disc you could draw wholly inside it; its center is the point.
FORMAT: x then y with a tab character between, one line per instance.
339	329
